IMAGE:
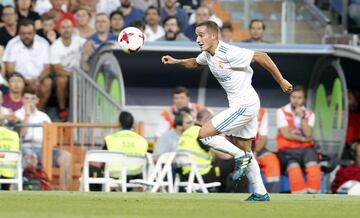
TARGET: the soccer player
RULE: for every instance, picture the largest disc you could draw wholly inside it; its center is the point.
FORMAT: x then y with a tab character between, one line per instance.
231	67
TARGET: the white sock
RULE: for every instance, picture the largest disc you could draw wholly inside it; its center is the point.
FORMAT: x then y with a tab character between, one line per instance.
254	176
220	143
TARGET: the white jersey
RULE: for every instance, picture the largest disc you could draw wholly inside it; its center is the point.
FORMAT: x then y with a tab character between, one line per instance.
231	67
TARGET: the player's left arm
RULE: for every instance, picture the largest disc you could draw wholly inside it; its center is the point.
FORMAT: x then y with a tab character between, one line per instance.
265	61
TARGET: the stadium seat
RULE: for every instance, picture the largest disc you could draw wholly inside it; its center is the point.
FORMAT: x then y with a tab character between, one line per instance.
161	176
7	156
111	158
185	159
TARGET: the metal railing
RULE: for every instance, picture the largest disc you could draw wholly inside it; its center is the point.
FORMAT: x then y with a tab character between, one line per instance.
88	102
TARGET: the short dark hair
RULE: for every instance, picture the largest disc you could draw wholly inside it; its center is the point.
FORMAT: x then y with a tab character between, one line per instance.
126	120
179	116
181	89
48	16
227	25
299	88
172	17
151	7
116	13
10	75
31	90
27	22
138	24
257	20
210	25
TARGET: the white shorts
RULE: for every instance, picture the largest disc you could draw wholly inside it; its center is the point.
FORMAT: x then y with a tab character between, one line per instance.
238	121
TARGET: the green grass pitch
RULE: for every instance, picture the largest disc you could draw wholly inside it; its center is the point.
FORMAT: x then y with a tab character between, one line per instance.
116	204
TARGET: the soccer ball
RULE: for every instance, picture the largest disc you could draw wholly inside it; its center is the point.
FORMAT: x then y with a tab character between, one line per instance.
131	39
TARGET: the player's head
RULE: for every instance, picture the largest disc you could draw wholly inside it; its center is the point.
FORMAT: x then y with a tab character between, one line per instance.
257	29
203	116
126	120
172	27
181	97
207	34
297	96
66	29
27	32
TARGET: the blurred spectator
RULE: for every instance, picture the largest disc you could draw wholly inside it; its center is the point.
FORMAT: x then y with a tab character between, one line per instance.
170	9
138	24
209	4
9	141
32	136
268	161
354	11
60	13
106	6
83	17
92	6
204	156
48	31
181	99
202	15
13	100
257	31
353	129
189	5
124	141
42	6
65	54
101	35
24	10
130	13
172	27
153	30
4	112
169	140
145	4
116	22
73	6
9	30
28	54
227	32
296	145
348	173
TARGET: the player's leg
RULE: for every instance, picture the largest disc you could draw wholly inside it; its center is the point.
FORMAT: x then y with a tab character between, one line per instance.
208	135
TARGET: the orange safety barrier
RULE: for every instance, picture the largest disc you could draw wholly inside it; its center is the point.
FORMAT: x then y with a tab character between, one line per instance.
62	136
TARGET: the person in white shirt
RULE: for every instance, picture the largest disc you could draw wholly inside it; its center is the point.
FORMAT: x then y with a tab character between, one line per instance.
230	65
65	54
153	30
32	135
28	54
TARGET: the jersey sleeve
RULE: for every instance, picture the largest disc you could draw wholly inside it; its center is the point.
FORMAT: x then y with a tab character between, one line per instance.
280	119
240	57
201	59
263	129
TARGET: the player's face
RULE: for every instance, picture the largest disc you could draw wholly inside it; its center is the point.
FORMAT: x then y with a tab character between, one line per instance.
16	84
188	121
27	34
297	99
152	17
203	38
102	24
257	31
66	29
117	22
181	100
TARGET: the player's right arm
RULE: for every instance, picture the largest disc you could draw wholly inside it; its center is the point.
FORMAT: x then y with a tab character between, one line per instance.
189	63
